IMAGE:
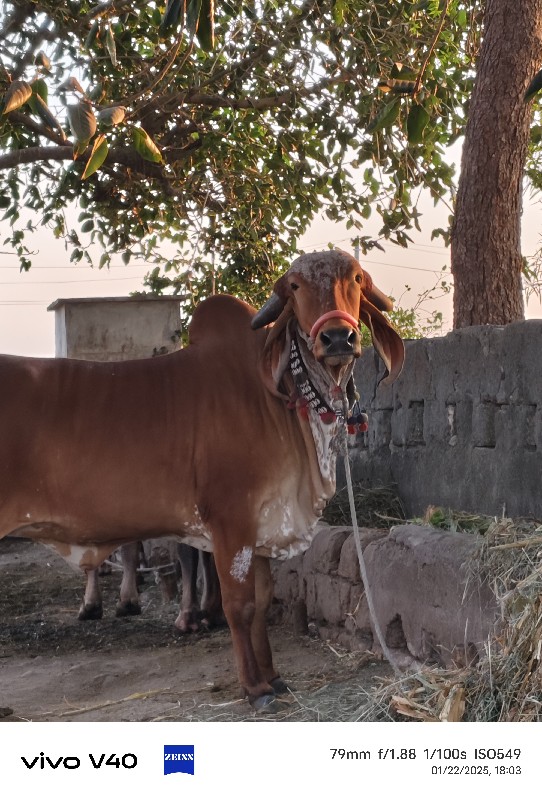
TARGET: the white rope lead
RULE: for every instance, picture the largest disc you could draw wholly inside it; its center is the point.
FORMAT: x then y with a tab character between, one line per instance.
368	594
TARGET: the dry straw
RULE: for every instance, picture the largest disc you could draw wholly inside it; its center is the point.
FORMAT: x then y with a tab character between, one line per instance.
505	683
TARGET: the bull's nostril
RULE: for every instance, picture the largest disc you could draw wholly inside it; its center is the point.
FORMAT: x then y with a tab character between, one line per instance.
352	338
326	340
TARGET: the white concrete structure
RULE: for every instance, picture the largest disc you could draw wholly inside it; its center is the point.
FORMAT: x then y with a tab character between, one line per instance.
116	328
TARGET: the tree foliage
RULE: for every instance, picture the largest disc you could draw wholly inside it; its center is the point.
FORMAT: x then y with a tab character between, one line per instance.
224	130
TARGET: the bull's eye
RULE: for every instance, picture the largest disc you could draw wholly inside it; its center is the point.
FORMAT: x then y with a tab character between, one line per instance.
294	286
358	278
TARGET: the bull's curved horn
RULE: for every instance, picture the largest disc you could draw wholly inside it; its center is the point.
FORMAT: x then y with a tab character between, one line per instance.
268	312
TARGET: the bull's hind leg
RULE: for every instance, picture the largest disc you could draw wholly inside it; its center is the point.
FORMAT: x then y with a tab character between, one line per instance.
91	607
188	619
237	574
211	599
129	604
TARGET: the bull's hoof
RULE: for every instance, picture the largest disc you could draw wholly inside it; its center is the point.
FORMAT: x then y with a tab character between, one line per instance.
279	686
266	704
127	608
210	621
188	622
90	611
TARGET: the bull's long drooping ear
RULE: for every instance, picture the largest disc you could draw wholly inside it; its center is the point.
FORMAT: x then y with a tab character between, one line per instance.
386	340
274	357
374	295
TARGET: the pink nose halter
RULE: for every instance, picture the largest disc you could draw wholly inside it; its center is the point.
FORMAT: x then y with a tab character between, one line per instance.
333	315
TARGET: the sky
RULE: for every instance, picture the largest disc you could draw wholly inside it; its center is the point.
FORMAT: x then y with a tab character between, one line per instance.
27	328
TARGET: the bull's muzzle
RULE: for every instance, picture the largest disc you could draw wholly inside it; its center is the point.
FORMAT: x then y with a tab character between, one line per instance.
336	344
339	342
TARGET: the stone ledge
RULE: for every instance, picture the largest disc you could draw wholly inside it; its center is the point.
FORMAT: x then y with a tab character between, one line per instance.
430	606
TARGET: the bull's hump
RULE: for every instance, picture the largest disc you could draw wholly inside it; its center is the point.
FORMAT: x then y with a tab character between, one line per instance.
220	316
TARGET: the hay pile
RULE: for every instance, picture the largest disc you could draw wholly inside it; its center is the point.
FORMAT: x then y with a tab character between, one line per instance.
377	507
505	685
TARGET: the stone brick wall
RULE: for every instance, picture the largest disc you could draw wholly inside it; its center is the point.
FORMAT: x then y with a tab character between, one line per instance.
462	426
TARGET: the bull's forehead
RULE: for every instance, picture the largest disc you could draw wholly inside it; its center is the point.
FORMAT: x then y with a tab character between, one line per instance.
322	269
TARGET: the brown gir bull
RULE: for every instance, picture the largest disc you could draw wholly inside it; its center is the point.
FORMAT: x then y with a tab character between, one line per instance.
229	444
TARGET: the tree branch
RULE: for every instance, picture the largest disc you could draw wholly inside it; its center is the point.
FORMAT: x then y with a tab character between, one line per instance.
432	46
42	130
124	156
259	103
113	7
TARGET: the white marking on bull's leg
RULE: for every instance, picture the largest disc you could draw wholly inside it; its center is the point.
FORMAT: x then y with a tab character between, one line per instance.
241	564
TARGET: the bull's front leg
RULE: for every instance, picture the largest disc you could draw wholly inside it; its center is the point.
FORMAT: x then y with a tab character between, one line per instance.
246	588
259	635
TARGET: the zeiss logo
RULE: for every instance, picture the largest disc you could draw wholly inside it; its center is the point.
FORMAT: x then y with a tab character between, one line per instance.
179	758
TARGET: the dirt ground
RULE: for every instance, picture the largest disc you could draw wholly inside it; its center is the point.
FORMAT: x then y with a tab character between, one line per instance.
55	668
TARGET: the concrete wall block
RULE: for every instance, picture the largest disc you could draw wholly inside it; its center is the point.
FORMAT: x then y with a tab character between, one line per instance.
379	433
349	563
311	598
332	598
288	584
325	551
483	424
328	598
358	617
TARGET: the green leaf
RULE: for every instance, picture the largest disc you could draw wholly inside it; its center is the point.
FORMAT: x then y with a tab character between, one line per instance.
97	156
87	226
71	84
175	10
97	94
112	116
39	107
16	96
385	117
417	119
193	11
110	45
534	86
206	25
39	87
82	121
338	12
93	32
145	146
